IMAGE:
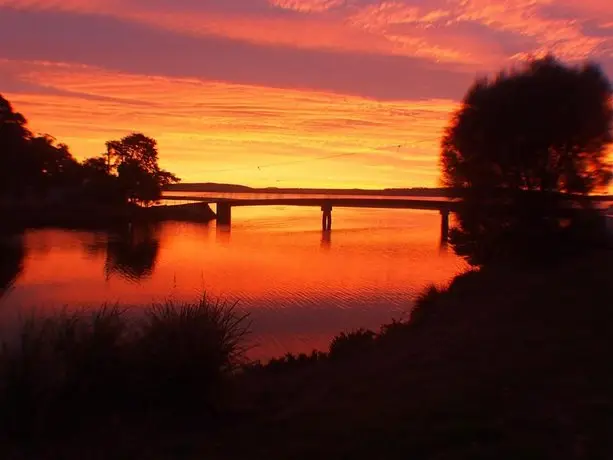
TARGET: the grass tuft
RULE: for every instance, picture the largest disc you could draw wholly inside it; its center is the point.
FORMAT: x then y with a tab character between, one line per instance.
70	368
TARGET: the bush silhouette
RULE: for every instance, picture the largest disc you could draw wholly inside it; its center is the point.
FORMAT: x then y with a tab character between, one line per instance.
351	343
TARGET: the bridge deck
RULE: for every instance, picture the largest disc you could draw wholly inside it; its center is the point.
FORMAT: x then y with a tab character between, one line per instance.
384	203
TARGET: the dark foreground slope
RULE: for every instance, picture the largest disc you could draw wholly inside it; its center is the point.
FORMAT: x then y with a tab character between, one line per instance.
504	364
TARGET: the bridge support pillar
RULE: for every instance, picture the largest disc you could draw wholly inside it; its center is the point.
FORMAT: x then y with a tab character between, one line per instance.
224	214
326	217
444	225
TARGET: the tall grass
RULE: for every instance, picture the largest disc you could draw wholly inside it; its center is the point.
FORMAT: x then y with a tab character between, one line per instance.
64	369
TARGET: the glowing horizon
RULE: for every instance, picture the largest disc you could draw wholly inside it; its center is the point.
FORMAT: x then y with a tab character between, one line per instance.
286	93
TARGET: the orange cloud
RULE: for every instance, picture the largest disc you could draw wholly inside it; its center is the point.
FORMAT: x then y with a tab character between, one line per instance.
266	136
210	131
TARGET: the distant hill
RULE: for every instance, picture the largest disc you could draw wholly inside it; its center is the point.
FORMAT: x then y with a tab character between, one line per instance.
208	187
232	188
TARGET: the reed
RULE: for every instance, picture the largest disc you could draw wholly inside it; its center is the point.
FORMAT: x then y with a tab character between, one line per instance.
71	367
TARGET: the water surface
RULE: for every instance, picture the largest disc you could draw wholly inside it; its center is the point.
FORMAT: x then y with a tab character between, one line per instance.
301	285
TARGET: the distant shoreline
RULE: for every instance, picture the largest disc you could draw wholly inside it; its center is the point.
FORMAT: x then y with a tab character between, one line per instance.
232	188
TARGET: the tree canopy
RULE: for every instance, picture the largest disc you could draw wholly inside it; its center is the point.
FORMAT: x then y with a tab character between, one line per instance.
521	140
14	137
32	165
29	164
135	161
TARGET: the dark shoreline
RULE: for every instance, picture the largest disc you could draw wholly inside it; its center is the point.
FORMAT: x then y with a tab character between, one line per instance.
98	216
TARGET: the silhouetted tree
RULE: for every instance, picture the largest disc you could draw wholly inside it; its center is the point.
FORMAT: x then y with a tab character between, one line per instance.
135	160
33	166
28	163
14	137
518	142
51	165
98	184
96	167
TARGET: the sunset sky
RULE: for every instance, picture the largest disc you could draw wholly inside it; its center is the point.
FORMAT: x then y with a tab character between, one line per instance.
310	93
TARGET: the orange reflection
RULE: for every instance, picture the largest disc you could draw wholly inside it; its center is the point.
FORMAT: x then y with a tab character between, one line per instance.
302	287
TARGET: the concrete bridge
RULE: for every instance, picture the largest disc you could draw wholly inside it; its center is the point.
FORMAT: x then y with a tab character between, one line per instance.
225	205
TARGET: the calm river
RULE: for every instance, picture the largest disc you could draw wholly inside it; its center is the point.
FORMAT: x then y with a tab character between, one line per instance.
300	285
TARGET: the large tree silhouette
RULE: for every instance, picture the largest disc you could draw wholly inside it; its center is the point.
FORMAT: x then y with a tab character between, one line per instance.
14	138
135	161
51	165
517	144
98	184
31	164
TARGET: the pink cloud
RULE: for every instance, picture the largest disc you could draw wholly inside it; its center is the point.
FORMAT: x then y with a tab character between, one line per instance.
562	36
402	27
307	6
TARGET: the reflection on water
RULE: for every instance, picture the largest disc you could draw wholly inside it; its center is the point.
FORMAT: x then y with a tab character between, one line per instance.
326	239
133	253
223	233
301	285
130	253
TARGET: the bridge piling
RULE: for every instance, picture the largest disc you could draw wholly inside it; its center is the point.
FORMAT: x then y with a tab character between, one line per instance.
326	217
225	205
224	213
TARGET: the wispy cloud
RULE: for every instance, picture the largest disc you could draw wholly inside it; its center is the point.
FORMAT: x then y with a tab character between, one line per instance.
357	90
386	27
240	133
561	35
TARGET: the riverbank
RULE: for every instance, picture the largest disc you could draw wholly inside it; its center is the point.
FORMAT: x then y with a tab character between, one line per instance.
78	216
502	364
